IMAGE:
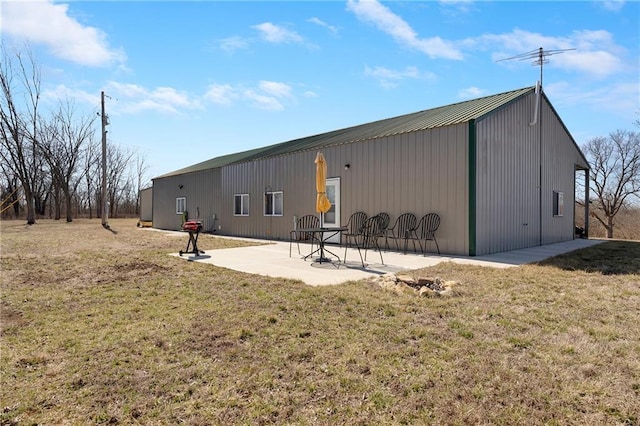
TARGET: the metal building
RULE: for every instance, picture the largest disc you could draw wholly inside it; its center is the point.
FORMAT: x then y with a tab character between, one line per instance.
499	170
146	205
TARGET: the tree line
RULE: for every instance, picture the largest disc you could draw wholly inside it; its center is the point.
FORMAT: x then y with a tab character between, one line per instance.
50	158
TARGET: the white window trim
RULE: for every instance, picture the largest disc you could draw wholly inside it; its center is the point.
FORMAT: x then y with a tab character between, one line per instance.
244	204
272	194
181	202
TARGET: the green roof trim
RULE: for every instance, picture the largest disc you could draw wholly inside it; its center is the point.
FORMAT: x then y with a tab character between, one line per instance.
448	115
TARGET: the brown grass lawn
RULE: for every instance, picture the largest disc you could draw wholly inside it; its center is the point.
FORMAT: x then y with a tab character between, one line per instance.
100	327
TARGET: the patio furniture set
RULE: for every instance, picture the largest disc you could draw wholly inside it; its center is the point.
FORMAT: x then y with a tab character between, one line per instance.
365	233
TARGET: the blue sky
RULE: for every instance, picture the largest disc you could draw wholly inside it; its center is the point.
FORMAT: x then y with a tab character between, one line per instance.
189	81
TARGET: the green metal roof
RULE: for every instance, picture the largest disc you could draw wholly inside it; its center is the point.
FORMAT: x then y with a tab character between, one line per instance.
448	115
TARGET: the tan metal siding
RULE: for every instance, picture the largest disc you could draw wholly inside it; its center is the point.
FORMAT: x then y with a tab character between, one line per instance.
420	173
202	193
507	206
294	175
558	174
146	204
512	211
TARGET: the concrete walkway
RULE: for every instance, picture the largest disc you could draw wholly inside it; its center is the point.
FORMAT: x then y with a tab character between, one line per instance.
272	259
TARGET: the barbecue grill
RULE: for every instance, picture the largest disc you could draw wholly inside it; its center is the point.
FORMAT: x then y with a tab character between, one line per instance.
193	227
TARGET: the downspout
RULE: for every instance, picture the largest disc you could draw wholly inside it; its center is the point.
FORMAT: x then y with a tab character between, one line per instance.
535	111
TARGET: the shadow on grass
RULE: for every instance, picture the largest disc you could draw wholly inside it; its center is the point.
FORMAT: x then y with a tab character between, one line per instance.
108	228
608	258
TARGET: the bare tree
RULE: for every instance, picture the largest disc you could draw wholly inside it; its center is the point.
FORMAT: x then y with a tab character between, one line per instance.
615	174
91	173
141	179
63	143
9	192
18	126
118	180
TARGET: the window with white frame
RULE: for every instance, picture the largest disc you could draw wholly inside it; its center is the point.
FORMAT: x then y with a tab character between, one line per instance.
181	205
273	202
241	205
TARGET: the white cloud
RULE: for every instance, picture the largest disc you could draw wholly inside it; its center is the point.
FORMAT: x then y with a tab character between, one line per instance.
471	93
391	78
266	95
619	97
171	96
62	92
463	6
595	52
43	22
613	5
231	44
127	98
261	101
275	34
132	98
381	17
222	94
320	22
275	88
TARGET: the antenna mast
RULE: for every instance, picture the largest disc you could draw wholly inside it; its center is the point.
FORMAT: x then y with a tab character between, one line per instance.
540	55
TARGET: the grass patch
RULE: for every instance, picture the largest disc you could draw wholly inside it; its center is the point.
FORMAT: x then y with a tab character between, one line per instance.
99	327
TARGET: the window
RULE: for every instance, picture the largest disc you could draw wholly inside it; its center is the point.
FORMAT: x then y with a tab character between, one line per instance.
273	203
241	205
558	203
181	205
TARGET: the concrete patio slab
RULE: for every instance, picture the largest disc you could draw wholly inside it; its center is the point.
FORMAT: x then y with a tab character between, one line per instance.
272	259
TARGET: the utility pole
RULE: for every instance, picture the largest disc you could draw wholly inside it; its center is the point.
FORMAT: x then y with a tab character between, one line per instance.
105	204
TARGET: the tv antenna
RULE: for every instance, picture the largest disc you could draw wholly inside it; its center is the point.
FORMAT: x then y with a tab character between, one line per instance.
540	55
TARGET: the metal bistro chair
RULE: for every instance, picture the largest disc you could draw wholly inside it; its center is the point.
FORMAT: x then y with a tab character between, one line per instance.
385	219
401	230
371	232
307	221
426	231
354	230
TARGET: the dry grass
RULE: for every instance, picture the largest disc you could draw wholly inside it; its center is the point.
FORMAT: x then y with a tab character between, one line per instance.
100	327
625	224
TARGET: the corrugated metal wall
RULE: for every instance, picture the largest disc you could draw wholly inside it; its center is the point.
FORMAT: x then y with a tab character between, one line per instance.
202	193
507	179
512	212
146	204
418	172
559	157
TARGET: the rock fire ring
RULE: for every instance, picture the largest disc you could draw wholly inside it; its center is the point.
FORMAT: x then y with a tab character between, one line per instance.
423	286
